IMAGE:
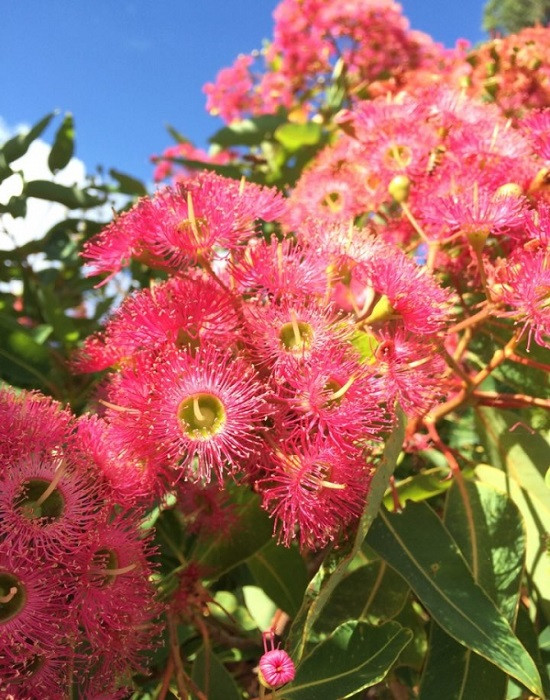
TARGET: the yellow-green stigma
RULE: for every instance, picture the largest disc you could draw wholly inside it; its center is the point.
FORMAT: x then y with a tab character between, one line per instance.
201	416
296	336
39	500
12	596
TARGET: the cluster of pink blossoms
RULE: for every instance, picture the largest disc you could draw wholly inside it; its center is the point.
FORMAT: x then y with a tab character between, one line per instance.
371	38
76	606
249	360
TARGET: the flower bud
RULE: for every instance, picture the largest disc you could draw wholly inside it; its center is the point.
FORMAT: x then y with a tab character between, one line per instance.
399	188
276	669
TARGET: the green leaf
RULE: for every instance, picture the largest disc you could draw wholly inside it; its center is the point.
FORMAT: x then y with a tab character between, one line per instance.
513	446
19	145
54	314
63	145
526	632
295	136
374	593
336	562
417	544
176	135
282	574
211	676
72	197
249	532
536	516
5	170
260	606
420	487
248	132
355	656
488	529
523	456
128	184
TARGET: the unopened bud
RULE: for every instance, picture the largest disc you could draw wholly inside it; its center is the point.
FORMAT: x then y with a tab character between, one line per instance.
509	189
399	188
276	669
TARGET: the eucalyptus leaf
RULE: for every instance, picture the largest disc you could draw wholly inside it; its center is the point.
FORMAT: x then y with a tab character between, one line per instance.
63	146
282	573
488	529
294	136
211	676
19	145
417	544
355	656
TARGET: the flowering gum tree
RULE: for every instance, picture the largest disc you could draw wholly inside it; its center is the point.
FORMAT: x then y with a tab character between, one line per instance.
321	419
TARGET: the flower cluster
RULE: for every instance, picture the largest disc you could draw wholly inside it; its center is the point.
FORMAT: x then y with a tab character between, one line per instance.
76	606
247	361
370	38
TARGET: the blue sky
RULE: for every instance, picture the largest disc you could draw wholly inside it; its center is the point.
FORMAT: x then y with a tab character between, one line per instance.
127	68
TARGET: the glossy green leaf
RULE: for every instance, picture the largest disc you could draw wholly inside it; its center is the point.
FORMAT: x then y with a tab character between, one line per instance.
295	136
513	446
355	656
336	563
537	647
488	529
249	532
72	197
260	606
282	573
374	593
536	516
211	676
128	184
420	548
63	146
19	145
420	487
248	132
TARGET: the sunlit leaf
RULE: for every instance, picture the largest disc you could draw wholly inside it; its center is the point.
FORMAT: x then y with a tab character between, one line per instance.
420	548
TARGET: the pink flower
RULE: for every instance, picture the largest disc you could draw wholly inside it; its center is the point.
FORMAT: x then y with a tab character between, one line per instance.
313	490
201	413
49	504
185	312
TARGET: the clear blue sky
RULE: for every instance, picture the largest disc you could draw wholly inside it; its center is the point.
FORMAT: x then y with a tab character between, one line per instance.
125	68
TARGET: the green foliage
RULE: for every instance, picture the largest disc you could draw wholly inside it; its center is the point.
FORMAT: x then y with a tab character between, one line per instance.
510	16
46	309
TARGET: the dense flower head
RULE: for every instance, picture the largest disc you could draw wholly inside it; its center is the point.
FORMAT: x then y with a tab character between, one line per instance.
513	71
371	37
54	503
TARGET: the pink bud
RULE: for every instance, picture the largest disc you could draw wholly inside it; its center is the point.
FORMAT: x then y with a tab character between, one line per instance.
276	668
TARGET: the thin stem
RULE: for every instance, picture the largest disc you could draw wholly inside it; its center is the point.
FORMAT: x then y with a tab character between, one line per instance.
492	398
471	320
